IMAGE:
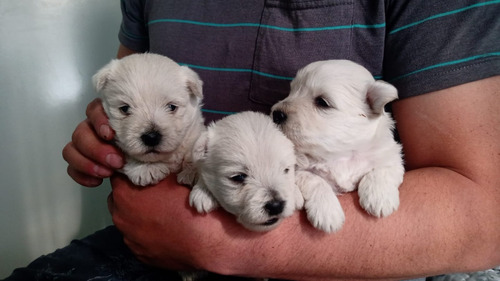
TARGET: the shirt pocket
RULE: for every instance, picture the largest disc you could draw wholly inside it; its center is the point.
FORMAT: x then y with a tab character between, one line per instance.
292	34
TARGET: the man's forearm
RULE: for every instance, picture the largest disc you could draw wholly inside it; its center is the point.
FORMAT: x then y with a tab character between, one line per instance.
432	232
448	219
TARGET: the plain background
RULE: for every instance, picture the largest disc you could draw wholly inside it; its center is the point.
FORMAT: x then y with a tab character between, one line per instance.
49	50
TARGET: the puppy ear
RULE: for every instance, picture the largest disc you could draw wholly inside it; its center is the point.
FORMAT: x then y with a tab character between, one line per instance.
379	94
193	82
102	77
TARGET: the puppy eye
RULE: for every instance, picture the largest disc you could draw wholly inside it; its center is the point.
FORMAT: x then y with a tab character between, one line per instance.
286	171
125	109
171	107
321	102
239	178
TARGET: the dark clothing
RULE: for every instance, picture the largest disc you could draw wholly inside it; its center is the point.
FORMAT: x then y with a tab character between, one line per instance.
101	256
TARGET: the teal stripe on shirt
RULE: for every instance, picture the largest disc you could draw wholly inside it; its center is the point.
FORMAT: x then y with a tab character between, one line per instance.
237	70
243	24
217	111
482	56
478	5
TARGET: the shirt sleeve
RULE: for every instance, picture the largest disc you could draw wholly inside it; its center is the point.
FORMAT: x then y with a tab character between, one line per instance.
133	32
433	46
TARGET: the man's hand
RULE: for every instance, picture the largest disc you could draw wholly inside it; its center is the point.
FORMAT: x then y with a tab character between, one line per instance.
89	154
161	228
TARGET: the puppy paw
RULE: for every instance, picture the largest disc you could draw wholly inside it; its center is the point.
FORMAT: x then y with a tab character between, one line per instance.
325	213
146	173
202	200
322	206
378	193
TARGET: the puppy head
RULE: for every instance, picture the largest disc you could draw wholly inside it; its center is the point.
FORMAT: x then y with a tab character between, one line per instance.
150	101
333	106
249	168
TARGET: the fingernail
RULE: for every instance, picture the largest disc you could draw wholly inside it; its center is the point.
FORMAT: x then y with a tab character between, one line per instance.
101	171
105	132
114	161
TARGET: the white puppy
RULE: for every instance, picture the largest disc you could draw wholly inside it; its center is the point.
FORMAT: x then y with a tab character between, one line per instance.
335	117
246	165
153	105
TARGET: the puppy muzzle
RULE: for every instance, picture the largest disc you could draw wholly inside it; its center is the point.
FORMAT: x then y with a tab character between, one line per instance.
151	138
274	207
271	222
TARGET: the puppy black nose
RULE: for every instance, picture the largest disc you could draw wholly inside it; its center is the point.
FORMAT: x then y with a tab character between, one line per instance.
151	138
279	117
274	207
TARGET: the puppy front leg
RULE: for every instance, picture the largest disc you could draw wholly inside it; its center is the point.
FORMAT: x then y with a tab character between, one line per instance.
379	190
189	167
201	198
143	174
322	205
188	174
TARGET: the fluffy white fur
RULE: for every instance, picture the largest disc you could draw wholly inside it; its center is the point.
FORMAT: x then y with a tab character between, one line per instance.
343	138
247	166
153	105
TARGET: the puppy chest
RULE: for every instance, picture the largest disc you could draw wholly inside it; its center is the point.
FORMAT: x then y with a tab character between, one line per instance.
343	174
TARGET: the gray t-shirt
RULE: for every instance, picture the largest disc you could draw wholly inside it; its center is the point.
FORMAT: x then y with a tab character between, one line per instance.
247	51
